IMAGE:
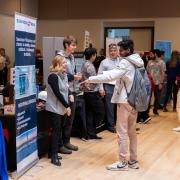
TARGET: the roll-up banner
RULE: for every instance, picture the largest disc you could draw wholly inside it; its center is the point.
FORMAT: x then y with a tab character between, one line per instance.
25	93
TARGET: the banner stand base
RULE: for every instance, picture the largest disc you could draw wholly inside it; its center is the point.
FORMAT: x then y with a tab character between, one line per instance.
15	175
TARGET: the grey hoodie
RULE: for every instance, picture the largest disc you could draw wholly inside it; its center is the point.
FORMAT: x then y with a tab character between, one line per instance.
124	73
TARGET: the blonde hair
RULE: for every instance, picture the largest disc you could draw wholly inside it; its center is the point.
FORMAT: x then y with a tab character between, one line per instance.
56	63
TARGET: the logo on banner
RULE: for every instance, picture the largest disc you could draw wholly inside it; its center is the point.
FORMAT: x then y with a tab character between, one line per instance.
28	23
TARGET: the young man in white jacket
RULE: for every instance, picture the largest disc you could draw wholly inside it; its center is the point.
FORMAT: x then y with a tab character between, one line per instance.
126	115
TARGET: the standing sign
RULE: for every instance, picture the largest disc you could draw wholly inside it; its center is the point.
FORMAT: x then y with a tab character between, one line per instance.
25	92
165	46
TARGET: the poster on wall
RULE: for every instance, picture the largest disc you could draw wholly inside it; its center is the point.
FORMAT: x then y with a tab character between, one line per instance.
165	46
86	39
25	93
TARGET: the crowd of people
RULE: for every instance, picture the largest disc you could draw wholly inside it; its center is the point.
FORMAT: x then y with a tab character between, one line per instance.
105	83
105	88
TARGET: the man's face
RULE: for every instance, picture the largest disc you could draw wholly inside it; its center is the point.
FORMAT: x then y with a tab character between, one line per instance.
124	52
71	48
113	53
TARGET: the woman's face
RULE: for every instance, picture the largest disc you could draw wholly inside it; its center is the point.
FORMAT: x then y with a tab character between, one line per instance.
63	66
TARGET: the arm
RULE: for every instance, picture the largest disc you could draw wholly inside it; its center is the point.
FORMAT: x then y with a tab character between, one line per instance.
53	82
111	75
100	71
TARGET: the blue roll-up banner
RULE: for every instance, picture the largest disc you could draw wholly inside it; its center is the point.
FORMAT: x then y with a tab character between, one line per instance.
25	92
165	46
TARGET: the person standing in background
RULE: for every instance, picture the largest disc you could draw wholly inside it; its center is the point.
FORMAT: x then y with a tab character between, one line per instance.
107	89
69	44
173	71
93	101
99	59
156	70
7	63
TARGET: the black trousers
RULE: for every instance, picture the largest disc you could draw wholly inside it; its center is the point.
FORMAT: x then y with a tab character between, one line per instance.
157	94
171	88
67	126
94	111
56	123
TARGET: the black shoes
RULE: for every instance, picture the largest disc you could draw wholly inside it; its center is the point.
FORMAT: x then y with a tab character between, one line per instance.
64	150
165	109
55	160
70	146
49	156
155	112
112	130
94	137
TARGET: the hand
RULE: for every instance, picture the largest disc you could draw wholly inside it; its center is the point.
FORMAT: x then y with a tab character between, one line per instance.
85	82
78	76
160	86
102	93
71	98
68	111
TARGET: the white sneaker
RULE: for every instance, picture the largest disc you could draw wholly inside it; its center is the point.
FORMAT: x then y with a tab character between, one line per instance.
133	164
177	129
118	166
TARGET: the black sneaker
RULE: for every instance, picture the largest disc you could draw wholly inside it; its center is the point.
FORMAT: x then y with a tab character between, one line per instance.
64	150
147	120
165	109
55	160
112	130
155	112
71	147
94	137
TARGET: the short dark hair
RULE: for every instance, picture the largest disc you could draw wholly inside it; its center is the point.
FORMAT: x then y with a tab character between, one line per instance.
89	52
68	40
127	44
157	52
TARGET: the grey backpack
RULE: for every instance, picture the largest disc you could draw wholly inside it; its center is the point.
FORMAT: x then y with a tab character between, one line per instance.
139	95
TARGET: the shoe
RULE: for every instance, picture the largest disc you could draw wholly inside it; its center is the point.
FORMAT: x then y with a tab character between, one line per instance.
59	157
147	120
165	109
71	147
177	129
133	164
64	150
94	137
112	130
155	112
118	166
55	160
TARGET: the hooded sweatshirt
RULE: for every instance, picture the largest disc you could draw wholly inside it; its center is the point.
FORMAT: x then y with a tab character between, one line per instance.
123	74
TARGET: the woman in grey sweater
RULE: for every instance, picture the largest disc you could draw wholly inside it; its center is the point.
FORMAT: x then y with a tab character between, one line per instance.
57	104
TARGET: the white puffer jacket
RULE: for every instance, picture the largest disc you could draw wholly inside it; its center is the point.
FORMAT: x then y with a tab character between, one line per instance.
124	73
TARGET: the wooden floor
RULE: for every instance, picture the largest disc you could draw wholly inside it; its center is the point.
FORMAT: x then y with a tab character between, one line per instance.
158	151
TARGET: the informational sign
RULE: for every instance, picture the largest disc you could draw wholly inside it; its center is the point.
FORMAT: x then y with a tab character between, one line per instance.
166	47
86	39
25	93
